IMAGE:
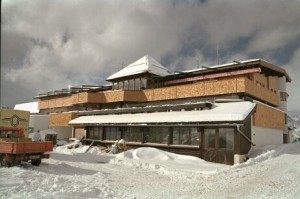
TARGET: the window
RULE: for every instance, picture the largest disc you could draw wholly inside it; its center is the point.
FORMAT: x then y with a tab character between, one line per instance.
137	84
165	132
120	85
181	135
283	96
195	136
133	134
184	135
131	84
226	138
95	132
112	133
209	138
126	85
157	135
116	86
143	83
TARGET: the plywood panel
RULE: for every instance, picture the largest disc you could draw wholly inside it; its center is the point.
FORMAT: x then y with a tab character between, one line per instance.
82	97
149	94
191	90
75	99
165	93
52	103
59	102
269	117
260	80
240	85
43	104
261	92
198	89
95	98
67	101
273	84
134	96
61	119
114	96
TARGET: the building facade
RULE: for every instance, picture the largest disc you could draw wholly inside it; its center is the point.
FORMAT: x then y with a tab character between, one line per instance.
216	113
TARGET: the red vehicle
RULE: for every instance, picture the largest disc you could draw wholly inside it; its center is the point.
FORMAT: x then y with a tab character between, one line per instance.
14	148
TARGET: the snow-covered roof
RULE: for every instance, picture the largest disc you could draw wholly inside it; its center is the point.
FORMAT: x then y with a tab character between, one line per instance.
221	65
32	107
143	65
262	62
220	112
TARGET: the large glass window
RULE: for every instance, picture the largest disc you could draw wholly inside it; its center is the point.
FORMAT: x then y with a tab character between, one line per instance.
121	86
195	136
210	138
157	135
137	84
181	135
131	84
116	86
143	83
133	134
126	85
165	132
95	132
185	135
226	138
112	133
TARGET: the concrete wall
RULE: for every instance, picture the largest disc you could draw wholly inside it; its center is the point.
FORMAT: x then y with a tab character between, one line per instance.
266	136
63	133
282	88
39	122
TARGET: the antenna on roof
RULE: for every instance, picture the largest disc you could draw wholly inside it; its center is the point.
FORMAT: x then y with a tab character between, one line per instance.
218	56
122	64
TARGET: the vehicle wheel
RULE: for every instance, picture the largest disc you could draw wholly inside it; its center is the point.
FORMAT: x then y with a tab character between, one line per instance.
36	162
4	162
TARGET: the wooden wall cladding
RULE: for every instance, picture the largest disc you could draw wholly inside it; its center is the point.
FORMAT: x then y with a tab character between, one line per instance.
67	101
268	117
164	93
260	79
44	104
197	89
134	96
273	83
61	119
191	90
220	87
260	92
113	96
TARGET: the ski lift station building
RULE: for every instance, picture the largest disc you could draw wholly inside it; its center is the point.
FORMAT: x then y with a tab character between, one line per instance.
216	113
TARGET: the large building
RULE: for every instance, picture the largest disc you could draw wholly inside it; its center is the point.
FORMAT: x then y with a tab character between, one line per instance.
216	113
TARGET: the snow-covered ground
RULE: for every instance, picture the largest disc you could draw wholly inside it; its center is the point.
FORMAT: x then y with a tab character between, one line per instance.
271	172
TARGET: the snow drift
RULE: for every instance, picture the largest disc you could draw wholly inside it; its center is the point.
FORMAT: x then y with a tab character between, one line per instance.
271	172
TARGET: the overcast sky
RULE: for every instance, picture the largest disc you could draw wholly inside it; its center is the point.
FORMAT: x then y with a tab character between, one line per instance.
49	44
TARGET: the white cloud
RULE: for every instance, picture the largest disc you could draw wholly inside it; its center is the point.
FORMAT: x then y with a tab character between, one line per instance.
293	88
56	43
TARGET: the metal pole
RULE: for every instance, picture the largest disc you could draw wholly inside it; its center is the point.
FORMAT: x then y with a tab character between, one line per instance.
0	54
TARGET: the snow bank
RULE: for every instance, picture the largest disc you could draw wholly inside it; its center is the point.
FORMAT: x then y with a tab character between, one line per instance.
271	172
75	148
261	154
167	163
